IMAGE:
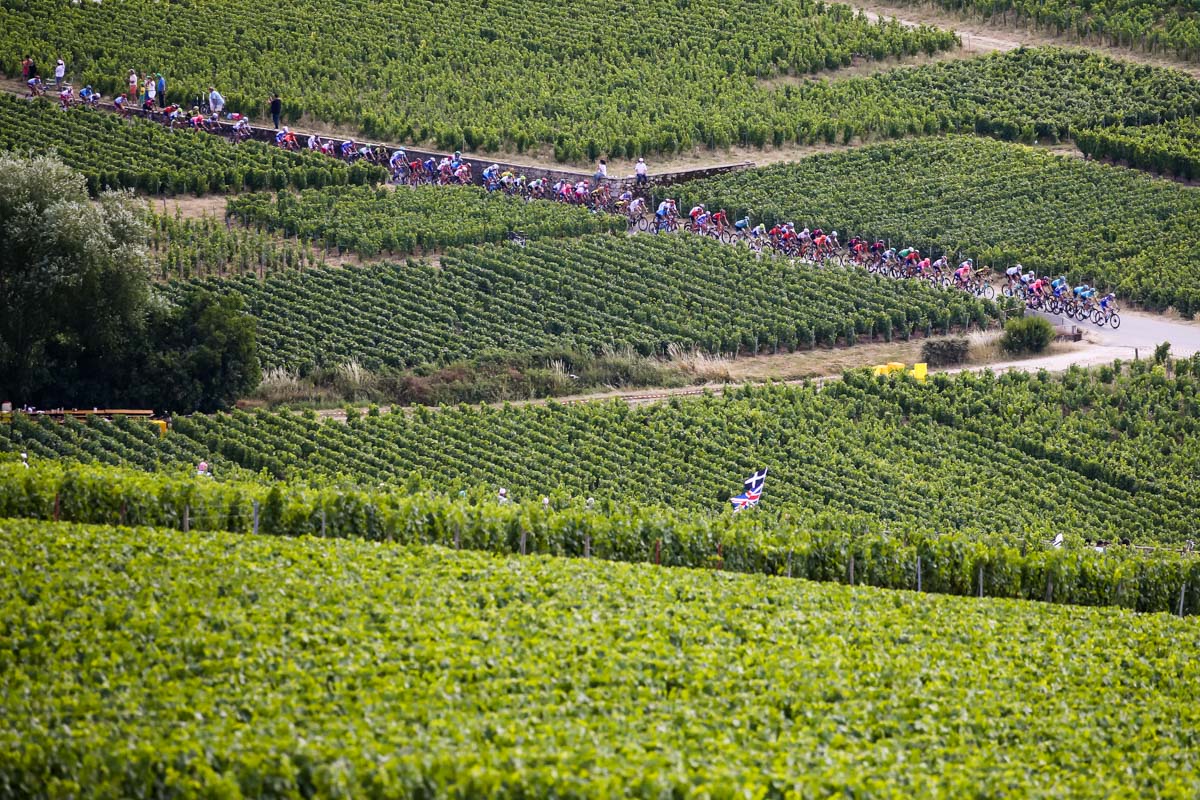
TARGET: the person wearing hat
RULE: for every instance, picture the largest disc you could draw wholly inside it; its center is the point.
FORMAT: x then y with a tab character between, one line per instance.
60	72
503	496
639	171
25	460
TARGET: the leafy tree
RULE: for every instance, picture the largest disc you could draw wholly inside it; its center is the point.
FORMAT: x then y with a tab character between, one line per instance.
202	354
74	284
80	321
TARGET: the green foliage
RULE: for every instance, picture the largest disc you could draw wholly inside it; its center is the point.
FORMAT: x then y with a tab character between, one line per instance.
1000	203
115	153
198	660
1157	26
1162	352
80	325
73	285
202	355
945	352
1172	147
407	220
944	455
643	293
652	76
831	547
1027	335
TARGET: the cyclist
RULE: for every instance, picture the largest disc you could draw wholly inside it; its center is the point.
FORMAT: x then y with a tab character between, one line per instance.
909	255
537	187
833	240
1106	301
696	212
720	220
456	161
463	173
66	97
90	96
759	232
666	210
1079	290
1059	285
819	240
349	149
36	88
397	162
1013	274
637	207
963	273
624	199
742	225
1040	288
923	266
507	179
490	174
241	130
805	235
888	256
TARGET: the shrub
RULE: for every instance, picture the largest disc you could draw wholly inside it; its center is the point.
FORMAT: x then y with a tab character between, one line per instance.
1027	335
942	352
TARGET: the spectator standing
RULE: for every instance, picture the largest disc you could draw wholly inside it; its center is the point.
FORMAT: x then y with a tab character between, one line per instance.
639	171
151	92
160	87
276	109
132	95
60	72
26	68
215	102
502	497
25	460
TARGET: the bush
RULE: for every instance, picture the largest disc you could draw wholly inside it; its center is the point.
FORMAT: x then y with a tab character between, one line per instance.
943	352
1027	335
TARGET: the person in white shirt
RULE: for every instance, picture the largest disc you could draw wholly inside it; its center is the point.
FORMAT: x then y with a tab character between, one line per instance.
60	72
639	171
215	101
503	496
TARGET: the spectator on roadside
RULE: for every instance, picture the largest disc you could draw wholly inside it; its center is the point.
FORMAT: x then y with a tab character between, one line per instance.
639	171
502	498
601	172
160	88
151	92
25	460
202	469
133	86
276	109
60	72
215	101
27	68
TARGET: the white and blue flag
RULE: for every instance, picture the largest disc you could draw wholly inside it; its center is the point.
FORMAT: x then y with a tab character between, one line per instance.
753	493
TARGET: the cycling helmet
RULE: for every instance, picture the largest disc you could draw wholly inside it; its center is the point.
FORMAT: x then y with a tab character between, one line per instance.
834	234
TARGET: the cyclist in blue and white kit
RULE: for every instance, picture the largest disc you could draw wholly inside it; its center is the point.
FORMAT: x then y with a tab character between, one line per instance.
665	209
397	162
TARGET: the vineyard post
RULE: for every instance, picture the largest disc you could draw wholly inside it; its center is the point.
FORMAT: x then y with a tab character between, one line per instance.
256	518
123	507
789	564
1182	592
187	517
322	522
1049	587
658	552
522	541
981	580
57	507
720	555
918	573
852	569
457	536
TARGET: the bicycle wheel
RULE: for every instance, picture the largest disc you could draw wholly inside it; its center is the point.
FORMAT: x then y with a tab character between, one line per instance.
1114	319
988	291
1098	318
643	224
